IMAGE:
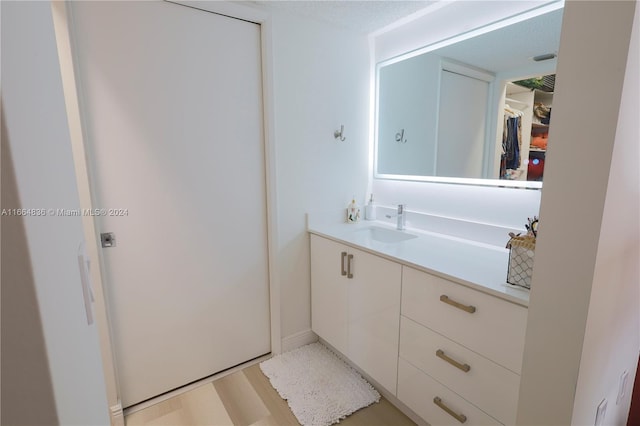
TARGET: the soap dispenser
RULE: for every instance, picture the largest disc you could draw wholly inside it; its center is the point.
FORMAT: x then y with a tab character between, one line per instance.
370	210
353	212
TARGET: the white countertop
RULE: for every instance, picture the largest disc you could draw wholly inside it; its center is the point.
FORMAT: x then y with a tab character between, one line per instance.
476	265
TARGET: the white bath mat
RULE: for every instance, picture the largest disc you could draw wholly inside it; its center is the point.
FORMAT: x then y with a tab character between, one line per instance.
319	387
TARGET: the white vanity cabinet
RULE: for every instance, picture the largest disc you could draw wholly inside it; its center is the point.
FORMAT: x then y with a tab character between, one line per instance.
461	346
355	306
450	352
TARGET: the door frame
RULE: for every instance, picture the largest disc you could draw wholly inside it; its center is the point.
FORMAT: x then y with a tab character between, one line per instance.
63	18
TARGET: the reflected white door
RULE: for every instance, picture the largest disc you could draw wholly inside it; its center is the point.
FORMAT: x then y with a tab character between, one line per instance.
172	101
461	125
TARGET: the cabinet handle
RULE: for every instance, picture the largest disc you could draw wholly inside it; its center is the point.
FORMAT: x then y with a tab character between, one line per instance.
459	417
464	367
349	259
471	309
342	271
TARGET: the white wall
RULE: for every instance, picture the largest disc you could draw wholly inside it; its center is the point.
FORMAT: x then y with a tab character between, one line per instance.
408	100
321	80
582	329
26	379
38	138
612	339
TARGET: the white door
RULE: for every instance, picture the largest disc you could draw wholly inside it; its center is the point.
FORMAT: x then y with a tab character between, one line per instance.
173	115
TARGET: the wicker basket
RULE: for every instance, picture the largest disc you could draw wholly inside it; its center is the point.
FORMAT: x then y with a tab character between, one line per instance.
521	253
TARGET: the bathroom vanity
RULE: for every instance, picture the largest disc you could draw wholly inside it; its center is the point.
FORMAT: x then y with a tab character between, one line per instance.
427	316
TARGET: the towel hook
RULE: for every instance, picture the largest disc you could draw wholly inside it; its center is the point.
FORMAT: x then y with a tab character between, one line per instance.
400	136
338	133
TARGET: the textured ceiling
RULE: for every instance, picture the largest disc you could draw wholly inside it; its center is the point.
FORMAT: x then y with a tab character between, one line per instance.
508	48
511	47
355	15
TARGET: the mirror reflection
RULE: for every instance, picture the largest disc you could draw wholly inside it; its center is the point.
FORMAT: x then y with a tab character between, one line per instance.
479	108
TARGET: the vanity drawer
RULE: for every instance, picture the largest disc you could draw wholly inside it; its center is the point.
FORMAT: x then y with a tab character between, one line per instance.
485	324
484	383
419	392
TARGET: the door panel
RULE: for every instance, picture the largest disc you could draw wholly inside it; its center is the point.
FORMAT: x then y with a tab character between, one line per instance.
173	116
461	125
329	295
374	316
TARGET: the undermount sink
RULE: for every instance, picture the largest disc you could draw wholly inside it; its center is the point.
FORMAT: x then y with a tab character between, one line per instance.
386	235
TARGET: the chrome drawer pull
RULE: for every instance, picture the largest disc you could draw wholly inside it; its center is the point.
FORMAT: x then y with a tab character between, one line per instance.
342	271
471	309
464	367
459	417
349	259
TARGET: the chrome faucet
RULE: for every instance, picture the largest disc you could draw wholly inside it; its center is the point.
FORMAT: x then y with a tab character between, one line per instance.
401	217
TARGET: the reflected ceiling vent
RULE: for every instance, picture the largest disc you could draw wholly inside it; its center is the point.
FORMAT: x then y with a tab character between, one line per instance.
546	83
544	57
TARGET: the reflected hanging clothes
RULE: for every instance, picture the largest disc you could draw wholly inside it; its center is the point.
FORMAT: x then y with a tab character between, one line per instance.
511	142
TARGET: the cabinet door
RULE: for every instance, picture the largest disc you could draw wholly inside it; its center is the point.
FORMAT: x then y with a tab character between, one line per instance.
374	316
329	296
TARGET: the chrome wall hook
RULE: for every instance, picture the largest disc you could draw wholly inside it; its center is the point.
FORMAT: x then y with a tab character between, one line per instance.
400	136
338	133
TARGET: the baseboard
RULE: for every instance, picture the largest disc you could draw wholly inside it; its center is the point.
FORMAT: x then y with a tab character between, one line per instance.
116	413
298	339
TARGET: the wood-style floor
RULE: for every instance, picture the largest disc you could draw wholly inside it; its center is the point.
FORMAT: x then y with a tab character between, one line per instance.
246	398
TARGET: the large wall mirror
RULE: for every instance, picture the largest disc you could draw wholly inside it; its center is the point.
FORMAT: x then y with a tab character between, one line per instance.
454	114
